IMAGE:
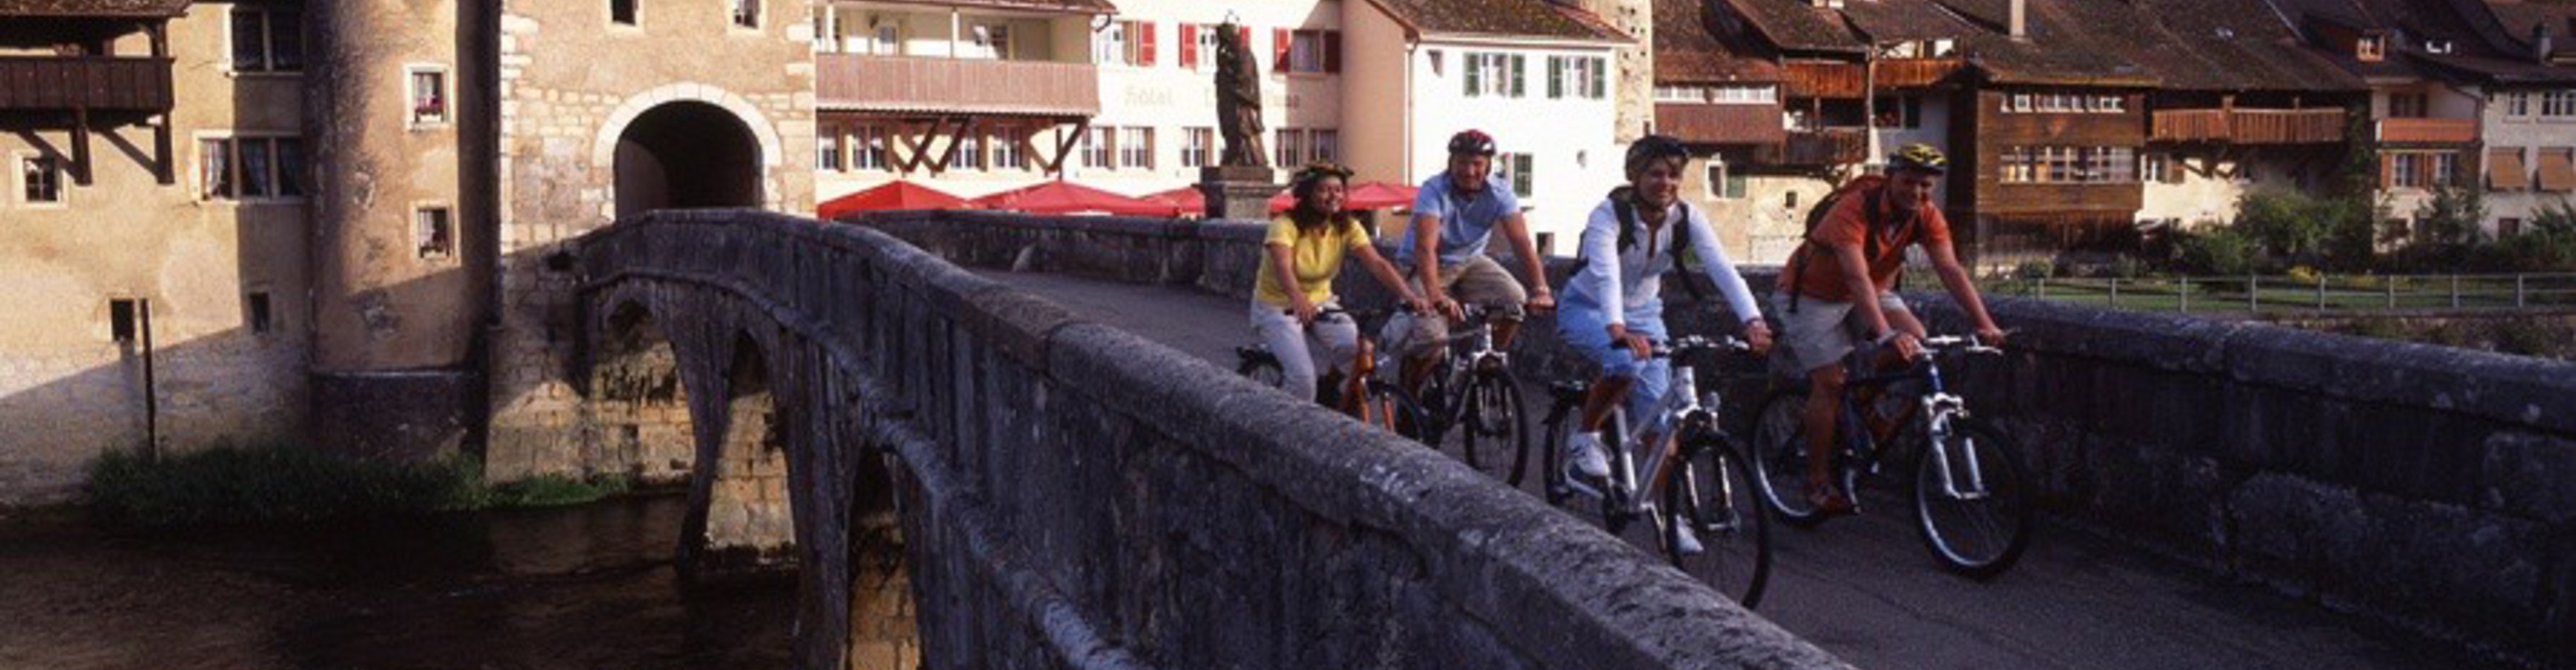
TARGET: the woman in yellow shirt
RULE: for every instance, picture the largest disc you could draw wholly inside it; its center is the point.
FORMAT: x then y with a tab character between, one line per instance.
1293	301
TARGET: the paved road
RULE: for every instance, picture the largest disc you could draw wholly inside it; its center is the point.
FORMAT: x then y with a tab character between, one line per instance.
1864	588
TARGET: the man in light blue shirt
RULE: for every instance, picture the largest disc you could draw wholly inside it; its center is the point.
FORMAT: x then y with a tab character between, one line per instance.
1454	216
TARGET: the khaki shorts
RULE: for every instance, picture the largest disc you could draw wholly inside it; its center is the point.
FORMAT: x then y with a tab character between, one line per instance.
1479	281
1822	332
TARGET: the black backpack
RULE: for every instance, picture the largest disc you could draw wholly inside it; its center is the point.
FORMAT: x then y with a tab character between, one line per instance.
1623	203
1873	187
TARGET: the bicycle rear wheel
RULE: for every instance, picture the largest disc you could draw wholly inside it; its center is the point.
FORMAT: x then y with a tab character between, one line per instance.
1779	458
1975	513
1388	406
1260	366
1712	495
1493	418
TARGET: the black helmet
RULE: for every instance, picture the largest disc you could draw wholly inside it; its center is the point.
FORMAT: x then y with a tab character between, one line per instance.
1310	172
1646	150
1919	158
1471	141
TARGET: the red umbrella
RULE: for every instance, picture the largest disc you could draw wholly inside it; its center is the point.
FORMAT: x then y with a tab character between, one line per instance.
891	195
1188	198
1365	196
1058	197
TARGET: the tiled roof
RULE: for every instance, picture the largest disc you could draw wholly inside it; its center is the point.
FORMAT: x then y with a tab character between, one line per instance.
2472	55
2228	45
1886	20
1796	25
1689	48
2070	42
2517	18
1511	18
129	8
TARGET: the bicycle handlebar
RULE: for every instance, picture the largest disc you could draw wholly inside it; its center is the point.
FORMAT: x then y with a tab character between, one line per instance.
1960	342
1690	343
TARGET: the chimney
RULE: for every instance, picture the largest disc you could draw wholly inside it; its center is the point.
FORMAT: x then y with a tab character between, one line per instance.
2020	21
2541	44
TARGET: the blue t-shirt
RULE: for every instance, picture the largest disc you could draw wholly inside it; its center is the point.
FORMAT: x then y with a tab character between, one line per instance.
1466	222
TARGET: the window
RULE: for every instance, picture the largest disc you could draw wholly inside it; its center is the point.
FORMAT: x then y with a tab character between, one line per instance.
868	148
1681	94
2370	49
267	40
2406	170
1715	174
621	12
2060	102
1328	145
2437	46
42	179
1305	51
255	312
968	154
2445	168
1900	111
1290	147
1011	150
2558	104
2069	165
746	13
992	40
1576	77
2516	105
1439	65
887	40
1198	147
433	232
2408	105
1198	48
122	314
428	96
2159	168
1095	147
251	168
827	150
1494	75
1136	148
1546	243
2508	227
1517	169
1124	43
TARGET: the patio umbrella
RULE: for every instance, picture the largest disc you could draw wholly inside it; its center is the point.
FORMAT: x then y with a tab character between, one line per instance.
1059	197
890	195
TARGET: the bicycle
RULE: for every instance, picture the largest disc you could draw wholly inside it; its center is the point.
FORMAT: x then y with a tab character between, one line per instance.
1709	495
1970	502
1362	395
1473	388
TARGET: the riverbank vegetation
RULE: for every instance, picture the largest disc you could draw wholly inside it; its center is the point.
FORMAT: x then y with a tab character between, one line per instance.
285	483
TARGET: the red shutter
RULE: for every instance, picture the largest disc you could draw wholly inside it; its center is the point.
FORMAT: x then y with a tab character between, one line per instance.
2387	171
1145	49
1279	50
1333	51
1189	45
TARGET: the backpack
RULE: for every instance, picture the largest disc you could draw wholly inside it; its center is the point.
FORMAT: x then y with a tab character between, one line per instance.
1623	203
1873	187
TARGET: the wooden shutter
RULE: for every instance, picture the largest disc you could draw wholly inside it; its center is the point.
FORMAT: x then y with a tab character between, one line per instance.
1516	73
1601	79
1279	49
2558	170
1189	45
2387	171
1475	75
2505	171
1145	43
1332	51
1555	77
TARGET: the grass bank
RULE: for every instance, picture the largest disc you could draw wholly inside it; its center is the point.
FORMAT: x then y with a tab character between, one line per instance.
229	485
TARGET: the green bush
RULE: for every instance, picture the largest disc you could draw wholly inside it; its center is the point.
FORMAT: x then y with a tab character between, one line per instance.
229	485
2528	338
2035	269
2223	252
2125	266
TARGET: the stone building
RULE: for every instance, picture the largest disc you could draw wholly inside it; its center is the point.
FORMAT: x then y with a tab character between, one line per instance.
330	222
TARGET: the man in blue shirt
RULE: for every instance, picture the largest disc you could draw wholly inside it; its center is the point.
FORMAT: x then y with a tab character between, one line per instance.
1454	215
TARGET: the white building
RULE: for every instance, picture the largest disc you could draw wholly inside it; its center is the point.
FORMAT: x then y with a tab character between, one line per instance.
1157	60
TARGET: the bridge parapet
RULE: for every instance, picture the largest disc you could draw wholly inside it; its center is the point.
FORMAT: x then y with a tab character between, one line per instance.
1074	496
2431	486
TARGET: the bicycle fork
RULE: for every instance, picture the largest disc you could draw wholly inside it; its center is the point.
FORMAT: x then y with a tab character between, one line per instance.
1941	408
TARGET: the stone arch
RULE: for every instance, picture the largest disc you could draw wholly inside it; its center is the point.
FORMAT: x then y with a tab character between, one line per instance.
749	523
686	155
635	412
768	155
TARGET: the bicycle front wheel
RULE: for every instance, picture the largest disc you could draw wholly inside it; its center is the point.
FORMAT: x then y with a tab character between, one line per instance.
1261	367
1970	500
1389	407
1712	495
1493	419
1779	458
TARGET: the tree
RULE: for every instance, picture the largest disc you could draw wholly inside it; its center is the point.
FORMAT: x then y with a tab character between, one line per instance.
2451	218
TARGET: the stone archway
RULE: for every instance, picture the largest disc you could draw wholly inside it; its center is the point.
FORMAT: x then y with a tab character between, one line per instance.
686	155
750	525
767	155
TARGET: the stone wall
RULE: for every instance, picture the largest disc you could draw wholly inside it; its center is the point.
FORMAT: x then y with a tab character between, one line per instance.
1071	495
2431	486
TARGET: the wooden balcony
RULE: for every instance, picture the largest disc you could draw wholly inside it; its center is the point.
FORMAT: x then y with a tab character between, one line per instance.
1823	79
1720	124
1826	147
103	83
2428	131
2248	126
902	84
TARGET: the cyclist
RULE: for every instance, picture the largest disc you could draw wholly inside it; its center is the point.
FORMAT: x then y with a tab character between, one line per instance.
1614	308
1292	297
1838	292
1443	251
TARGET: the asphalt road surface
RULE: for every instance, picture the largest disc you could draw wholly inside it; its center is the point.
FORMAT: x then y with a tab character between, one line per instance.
1865	589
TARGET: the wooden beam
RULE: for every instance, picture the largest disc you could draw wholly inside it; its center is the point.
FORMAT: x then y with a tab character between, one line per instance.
1064	145
911	159
80	146
163	166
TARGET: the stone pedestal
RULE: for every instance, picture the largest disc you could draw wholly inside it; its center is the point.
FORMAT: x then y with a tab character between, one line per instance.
1238	191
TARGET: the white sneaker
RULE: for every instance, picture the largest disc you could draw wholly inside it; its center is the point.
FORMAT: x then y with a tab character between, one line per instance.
1686	542
1583	455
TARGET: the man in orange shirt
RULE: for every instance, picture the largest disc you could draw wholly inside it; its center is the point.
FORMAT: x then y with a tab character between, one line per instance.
1856	253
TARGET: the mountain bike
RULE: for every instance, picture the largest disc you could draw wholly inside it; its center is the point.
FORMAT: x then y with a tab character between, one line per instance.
1472	391
1970	500
1362	394
1709	494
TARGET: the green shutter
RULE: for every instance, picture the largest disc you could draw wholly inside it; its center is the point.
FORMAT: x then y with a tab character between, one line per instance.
1518	76
1600	78
1555	77
1735	186
1475	75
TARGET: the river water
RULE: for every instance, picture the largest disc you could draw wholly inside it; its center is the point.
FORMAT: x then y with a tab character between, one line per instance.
591	586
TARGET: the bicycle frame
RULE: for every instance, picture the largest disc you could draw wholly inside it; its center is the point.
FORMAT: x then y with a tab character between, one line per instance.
1936	406
1684	411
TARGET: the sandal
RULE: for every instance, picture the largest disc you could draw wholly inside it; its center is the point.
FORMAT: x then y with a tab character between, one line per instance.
1828	501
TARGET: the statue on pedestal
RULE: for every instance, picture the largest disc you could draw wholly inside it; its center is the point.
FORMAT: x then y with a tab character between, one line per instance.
1238	99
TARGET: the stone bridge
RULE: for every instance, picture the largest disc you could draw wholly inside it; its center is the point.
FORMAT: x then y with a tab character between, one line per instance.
1069	495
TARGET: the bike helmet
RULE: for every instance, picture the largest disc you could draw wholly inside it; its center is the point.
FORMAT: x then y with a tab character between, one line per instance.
1307	174
1471	141
1920	158
1646	150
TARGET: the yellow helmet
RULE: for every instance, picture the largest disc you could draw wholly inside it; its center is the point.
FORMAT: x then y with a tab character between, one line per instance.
1920	157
